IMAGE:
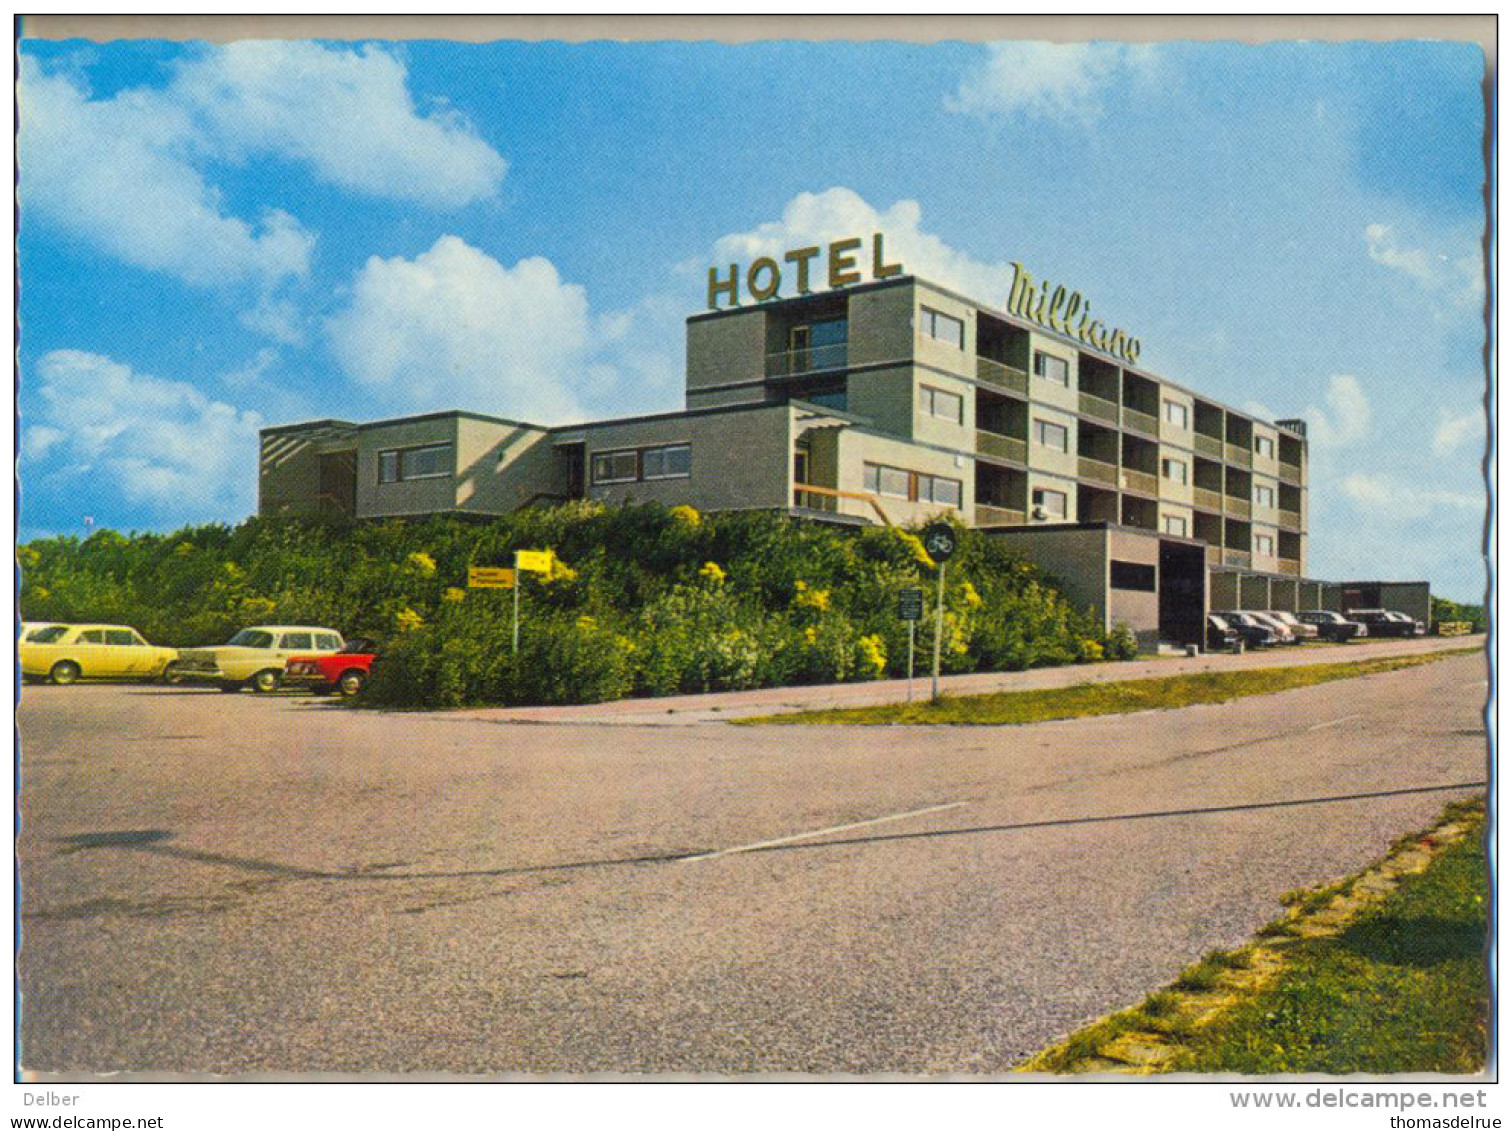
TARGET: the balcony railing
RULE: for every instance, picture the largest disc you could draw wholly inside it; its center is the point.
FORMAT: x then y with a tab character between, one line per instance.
1089	468
1141	481
1141	421
1003	447
789	363
1207	500
1238	454
1239	558
1094	405
1003	376
1289	565
987	515
1207	445
1236	507
1291	473
1291	520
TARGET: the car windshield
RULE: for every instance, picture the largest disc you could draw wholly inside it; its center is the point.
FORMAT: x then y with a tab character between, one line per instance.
48	635
251	638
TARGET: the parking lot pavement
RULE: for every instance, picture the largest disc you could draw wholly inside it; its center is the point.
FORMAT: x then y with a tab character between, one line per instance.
241	884
680	710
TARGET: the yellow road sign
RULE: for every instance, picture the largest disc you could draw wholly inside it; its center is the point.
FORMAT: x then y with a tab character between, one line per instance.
533	561
490	577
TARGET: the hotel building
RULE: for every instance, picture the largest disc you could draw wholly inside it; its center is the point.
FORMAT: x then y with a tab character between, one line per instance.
887	400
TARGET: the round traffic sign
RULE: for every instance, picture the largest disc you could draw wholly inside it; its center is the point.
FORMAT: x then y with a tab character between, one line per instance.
939	540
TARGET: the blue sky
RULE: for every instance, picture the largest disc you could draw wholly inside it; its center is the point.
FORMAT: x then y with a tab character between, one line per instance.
217	238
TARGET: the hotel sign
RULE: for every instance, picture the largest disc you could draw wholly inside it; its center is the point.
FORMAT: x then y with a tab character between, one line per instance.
763	278
1067	313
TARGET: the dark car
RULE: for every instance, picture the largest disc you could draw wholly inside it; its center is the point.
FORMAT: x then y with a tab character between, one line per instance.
1221	637
1251	631
1382	622
1332	626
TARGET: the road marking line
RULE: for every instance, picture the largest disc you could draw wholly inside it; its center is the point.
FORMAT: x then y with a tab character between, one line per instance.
1335	722
823	832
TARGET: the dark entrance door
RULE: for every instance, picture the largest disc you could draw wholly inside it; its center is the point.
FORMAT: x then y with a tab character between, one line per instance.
338	483
1183	607
574	456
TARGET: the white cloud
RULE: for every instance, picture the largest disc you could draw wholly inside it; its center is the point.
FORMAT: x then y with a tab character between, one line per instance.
251	374
1458	278
115	173
455	328
1393	502
1453	432
132	173
1066	81
817	218
346	113
1347	417
157	443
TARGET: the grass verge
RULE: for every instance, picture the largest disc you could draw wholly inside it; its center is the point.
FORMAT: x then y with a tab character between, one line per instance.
1382	973
1007	708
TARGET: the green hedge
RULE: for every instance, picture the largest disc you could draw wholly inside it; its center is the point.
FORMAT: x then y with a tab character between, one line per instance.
645	600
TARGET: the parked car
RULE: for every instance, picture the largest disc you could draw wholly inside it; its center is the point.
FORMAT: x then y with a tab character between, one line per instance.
65	653
30	628
255	656
1299	628
1381	622
1332	626
1418	627
1221	636
1254	633
344	671
1284	635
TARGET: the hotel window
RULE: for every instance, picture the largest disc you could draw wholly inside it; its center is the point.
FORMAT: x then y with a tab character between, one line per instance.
1264	496
937	402
1265	446
942	327
1176	413
1050	435
616	467
915	486
1174	524
1131	575
1052	368
1265	544
1053	503
399	465
1174	470
674	461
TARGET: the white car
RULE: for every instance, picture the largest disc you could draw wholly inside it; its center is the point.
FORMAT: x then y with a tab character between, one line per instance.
1300	629
255	656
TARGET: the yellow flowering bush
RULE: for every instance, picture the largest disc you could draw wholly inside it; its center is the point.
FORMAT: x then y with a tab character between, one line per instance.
712	573
687	515
408	620
453	595
421	564
806	596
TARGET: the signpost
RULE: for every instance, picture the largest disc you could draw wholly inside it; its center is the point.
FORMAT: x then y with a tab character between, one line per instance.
939	543
526	561
911	609
490	577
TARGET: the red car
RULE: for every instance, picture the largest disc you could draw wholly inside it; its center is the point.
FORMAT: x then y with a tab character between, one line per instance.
345	671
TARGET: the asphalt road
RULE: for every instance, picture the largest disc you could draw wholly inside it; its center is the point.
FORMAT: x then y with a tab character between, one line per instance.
246	884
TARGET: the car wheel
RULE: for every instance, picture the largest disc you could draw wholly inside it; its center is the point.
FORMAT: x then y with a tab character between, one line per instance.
351	682
171	674
64	672
266	680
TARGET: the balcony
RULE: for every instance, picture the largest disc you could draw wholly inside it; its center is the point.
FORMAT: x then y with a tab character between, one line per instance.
1291	473
1214	556
1236	507
1002	376
1093	405
814	359
1207	500
987	515
1289	566
1240	455
1207	445
1238	558
1141	481
1097	470
1291	520
1141	422
1002	447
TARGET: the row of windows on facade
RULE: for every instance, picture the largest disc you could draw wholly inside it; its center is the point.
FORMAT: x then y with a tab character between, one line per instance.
915	486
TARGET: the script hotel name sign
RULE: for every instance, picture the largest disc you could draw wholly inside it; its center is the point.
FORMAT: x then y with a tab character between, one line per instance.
1066	312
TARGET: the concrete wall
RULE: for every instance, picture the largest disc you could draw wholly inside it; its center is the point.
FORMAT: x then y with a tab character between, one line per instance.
501	467
1136	608
421	496
880	325
726	349
885	397
288	477
857	448
740	460
1077	559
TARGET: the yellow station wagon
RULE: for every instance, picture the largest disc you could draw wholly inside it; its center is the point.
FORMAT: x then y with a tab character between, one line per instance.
255	656
64	653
